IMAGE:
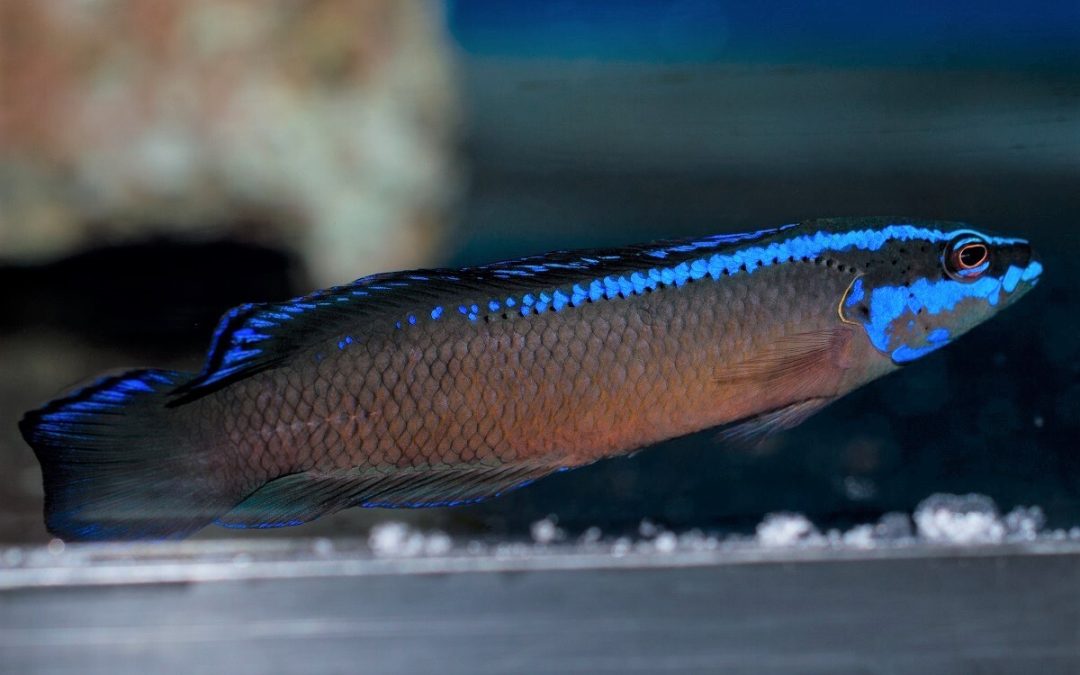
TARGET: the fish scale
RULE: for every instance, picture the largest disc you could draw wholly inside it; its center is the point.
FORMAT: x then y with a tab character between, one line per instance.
445	387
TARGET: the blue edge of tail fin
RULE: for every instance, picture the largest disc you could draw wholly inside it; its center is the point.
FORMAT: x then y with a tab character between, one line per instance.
112	466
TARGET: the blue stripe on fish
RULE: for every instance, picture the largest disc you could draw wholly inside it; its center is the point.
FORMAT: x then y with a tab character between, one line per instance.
242	340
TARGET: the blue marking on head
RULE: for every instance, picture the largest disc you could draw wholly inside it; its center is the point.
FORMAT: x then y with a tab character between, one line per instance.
1012	278
412	319
939	300
436	313
938	335
888	303
856	294
493	305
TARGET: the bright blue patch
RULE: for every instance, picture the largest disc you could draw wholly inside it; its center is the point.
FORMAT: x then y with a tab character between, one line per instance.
596	290
493	305
1012	278
542	302
559	300
857	293
938	335
611	288
682	273
888	303
436	313
578	295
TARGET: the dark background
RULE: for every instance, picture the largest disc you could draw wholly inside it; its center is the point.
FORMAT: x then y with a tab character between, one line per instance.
603	123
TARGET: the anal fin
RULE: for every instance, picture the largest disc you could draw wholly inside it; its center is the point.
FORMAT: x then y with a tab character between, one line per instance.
302	497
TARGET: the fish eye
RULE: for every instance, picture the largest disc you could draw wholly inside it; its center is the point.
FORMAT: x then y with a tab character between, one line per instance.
966	258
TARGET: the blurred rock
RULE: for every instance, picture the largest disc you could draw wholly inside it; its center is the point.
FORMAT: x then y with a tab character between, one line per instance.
325	127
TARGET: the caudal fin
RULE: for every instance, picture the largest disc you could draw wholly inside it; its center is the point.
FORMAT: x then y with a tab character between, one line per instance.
118	464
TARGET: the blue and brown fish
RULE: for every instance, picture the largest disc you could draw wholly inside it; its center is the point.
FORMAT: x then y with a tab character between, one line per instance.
444	387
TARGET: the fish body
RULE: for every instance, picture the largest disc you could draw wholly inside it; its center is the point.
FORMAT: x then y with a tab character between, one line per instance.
442	387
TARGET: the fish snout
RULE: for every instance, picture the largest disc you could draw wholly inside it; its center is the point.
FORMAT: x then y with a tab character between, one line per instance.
1020	265
1028	261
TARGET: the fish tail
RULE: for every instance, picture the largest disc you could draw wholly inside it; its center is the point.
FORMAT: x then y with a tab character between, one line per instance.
117	463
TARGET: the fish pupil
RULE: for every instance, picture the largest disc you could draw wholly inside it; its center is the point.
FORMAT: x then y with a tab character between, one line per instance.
972	255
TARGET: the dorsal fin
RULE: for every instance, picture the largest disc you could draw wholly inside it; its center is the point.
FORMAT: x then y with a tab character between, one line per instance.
254	337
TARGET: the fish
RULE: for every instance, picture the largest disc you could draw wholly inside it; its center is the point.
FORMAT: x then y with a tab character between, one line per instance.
447	387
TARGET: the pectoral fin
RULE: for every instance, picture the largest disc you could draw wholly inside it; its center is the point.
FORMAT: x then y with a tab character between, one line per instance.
774	421
795	366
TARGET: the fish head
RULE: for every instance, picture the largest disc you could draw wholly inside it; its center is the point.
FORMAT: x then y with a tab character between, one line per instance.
921	288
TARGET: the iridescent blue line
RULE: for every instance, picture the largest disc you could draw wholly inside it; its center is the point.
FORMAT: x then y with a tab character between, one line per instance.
240	345
749	259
